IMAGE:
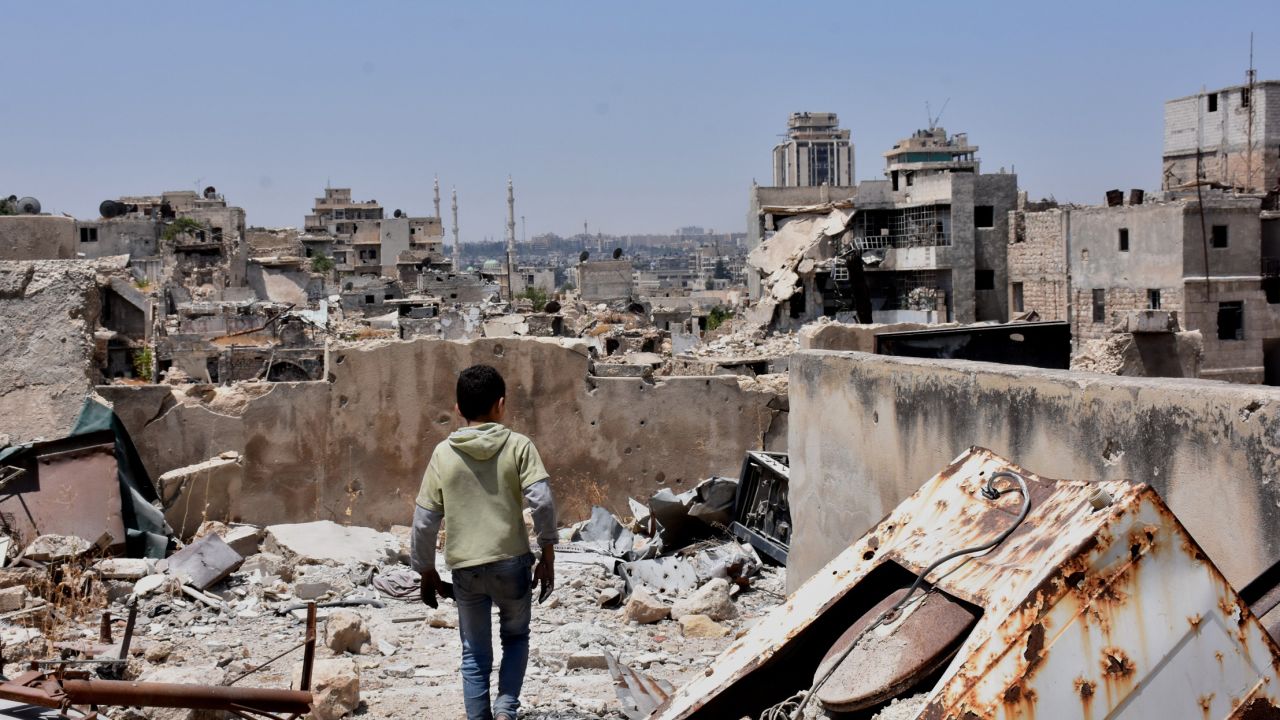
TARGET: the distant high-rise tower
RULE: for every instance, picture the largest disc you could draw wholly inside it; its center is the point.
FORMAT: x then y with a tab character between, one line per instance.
457	249
511	239
816	151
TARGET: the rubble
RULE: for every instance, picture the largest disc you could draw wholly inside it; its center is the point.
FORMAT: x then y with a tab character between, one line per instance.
325	542
335	684
701	626
643	608
204	562
711	600
346	632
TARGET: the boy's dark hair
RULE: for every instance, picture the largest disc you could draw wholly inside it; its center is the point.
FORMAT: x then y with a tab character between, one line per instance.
479	388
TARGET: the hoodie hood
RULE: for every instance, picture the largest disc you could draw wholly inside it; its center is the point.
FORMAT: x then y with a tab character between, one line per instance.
481	442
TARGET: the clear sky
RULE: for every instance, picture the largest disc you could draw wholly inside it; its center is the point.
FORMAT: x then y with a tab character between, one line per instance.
635	117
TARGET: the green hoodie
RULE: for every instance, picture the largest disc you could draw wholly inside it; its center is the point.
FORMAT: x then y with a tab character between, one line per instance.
476	479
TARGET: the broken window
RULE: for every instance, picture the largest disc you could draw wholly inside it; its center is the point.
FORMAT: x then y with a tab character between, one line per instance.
984	216
1124	239
1213	102
1219	236
910	179
217	234
1231	320
1017	297
1099	305
1244	97
88	234
1153	299
369	300
984	279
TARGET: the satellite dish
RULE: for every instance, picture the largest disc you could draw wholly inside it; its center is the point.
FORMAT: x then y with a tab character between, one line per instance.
617	253
28	206
397	213
583	257
210	193
111	208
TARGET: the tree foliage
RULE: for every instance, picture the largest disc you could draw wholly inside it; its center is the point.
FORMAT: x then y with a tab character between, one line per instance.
535	295
182	226
717	317
321	263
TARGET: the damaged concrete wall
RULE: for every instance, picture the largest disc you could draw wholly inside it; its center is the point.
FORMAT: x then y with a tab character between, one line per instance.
869	429
48	313
355	449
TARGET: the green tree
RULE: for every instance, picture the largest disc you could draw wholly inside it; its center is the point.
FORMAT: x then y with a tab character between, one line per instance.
321	263
182	226
722	270
535	295
717	317
142	364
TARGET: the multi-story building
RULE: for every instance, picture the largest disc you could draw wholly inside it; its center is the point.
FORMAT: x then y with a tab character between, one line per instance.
816	152
932	237
362	241
1215	261
1229	137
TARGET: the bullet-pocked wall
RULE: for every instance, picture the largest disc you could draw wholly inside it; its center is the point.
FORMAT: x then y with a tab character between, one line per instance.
867	430
354	449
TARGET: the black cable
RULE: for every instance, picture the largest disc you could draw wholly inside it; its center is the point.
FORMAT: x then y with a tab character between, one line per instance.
989	492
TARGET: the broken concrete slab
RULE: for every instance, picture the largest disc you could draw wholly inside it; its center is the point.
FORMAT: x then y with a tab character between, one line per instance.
132	569
643	608
204	562
201	492
325	542
13	598
56	548
244	539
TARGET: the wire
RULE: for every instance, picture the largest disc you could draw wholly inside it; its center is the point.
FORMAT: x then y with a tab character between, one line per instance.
988	491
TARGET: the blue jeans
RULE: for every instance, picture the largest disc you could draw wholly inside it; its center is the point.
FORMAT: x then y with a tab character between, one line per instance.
507	584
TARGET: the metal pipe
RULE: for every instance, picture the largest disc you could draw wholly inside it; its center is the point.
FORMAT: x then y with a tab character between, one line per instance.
128	630
309	649
196	697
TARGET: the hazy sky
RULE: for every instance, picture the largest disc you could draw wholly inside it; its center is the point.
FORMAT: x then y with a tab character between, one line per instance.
636	117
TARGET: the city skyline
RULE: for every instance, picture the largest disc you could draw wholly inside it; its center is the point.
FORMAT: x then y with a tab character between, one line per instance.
638	120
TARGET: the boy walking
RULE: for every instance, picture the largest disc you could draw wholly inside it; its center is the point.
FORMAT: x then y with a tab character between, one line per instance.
477	478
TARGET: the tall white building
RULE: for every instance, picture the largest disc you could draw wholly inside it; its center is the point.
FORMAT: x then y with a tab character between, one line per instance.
816	152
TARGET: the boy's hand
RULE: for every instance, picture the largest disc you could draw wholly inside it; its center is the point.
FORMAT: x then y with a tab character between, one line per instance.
430	585
545	573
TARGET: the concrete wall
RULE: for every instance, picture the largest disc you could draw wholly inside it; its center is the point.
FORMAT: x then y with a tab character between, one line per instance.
48	312
869	430
37	237
605	280
354	449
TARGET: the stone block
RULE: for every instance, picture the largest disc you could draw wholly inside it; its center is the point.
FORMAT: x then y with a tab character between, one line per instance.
643	608
711	600
701	626
345	631
335	688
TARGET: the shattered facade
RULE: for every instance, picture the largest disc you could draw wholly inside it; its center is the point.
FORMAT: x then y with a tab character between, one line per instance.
1229	137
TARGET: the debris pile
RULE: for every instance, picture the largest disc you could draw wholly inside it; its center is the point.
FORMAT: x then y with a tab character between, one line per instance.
236	596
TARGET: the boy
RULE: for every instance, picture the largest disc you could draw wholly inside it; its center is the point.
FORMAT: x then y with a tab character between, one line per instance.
477	478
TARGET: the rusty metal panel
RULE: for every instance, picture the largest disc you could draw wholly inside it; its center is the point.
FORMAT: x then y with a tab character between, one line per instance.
1098	605
71	487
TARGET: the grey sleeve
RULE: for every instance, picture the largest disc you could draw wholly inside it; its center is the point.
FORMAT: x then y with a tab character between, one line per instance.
422	541
543	507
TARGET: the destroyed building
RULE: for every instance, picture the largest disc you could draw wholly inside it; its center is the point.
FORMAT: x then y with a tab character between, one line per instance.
931	239
1229	137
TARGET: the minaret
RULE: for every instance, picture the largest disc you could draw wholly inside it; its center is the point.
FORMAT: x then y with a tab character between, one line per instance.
437	188
511	240
457	249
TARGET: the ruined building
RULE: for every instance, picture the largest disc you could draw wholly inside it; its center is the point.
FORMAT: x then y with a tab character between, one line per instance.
362	242
931	236
1229	137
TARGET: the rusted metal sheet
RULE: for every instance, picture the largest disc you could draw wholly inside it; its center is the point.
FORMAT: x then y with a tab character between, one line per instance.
638	693
1087	612
70	487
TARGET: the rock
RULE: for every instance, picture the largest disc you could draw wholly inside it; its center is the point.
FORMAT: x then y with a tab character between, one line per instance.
204	562
184	676
442	618
149	584
644	608
312	589
327	543
711	600
267	564
701	626
345	631
335	688
13	598
159	652
132	569
587	660
609	597
56	548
